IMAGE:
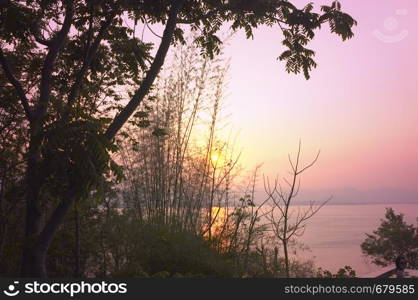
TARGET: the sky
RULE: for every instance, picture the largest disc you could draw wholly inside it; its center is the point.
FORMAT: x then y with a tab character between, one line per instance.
360	107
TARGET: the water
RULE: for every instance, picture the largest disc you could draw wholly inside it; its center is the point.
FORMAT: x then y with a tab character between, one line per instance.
335	233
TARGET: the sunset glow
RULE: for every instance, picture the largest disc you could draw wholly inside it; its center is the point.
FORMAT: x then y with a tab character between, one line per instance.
360	108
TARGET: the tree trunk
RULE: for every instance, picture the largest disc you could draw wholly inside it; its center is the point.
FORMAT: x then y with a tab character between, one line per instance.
34	251
77	243
3	237
32	261
34	255
37	244
286	259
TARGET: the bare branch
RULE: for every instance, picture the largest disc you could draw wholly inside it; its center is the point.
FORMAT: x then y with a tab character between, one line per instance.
297	189
298	157
287	182
310	165
291	163
152	31
287	226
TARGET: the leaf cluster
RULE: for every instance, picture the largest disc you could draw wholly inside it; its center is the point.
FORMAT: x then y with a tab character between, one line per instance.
394	237
77	158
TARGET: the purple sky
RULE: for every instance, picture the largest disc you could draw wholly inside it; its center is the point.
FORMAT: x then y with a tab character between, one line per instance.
360	106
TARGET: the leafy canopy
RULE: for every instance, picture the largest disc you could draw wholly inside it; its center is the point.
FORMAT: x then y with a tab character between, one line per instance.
105	38
72	65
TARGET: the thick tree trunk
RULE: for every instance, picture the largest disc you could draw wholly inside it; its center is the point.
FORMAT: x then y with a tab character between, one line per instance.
33	257
33	183
3	237
37	243
32	262
3	221
35	253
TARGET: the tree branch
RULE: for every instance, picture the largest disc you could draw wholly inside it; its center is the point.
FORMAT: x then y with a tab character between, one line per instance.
16	84
310	165
42	41
55	46
199	18
152	73
211	13
91	51
52	225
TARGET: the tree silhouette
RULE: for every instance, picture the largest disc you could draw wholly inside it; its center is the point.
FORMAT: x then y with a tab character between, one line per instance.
393	238
65	61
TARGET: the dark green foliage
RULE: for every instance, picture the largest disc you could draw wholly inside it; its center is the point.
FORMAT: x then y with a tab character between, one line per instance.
346	272
159	132
163	249
301	31
130	248
297	25
13	135
339	22
77	158
394	237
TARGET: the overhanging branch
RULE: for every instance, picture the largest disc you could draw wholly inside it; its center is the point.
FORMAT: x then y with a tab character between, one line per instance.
16	84
75	89
199	18
152	73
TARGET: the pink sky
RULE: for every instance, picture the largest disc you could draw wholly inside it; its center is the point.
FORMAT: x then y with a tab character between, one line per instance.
360	106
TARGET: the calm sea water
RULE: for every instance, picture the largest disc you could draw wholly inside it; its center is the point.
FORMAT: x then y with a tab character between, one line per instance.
335	233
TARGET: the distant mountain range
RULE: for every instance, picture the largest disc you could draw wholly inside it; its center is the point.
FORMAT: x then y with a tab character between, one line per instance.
355	196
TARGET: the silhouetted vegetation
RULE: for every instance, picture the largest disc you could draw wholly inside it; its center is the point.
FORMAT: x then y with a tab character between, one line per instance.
393	238
99	172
